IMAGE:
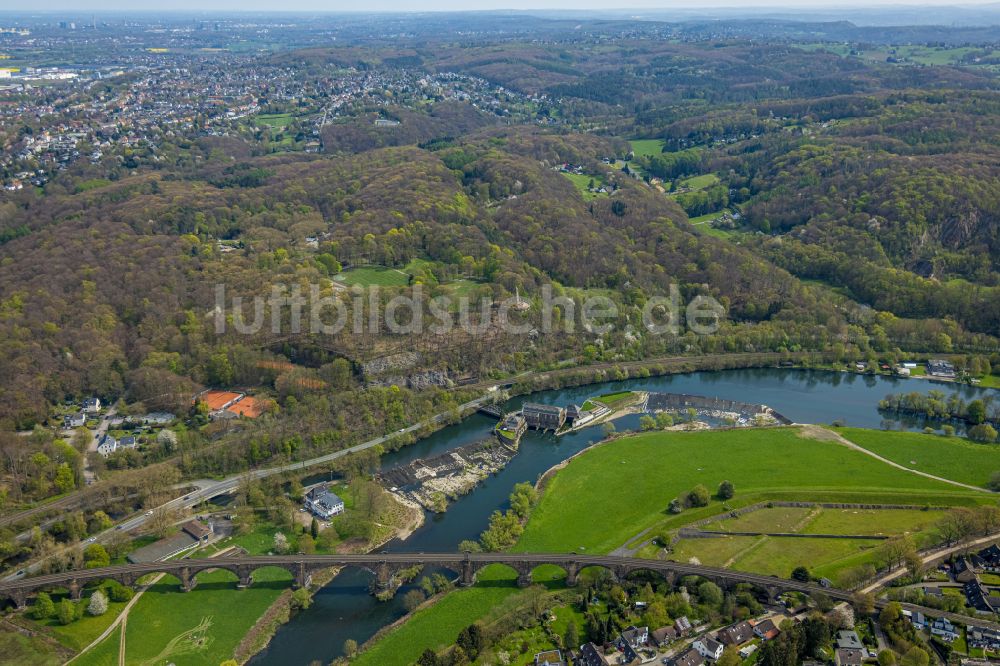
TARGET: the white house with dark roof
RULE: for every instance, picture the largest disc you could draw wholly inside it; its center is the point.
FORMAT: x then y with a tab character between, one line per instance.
322	503
709	648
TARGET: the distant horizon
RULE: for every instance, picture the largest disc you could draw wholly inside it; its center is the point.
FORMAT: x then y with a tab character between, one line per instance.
491	6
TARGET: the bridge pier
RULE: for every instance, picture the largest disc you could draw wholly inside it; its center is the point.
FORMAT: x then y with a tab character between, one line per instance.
188	580
302	577
468	573
245	574
383	577
20	599
572	574
524	575
75	590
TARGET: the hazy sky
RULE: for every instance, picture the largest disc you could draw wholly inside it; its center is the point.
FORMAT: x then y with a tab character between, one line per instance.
453	5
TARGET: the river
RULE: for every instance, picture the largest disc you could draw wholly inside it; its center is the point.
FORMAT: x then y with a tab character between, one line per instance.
344	608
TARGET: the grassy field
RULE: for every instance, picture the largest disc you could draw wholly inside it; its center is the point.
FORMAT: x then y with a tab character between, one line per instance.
647	471
949	457
779	519
82	632
582	184
200	627
439	624
367	276
105	654
25	651
712	552
874	522
779	555
700	182
646	147
276	120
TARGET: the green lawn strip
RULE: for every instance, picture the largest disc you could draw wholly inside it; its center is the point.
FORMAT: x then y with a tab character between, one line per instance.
647	471
438	625
615	400
199	627
103	654
948	457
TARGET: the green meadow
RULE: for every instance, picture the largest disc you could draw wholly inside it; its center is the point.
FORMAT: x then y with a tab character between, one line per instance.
643	473
646	147
953	458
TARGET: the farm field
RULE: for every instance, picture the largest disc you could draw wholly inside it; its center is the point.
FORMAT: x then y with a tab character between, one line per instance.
647	471
948	457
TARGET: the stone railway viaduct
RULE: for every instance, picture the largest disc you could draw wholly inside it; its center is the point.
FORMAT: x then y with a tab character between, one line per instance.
385	566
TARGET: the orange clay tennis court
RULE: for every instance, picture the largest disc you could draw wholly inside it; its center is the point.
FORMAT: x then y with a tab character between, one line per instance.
249	407
217	399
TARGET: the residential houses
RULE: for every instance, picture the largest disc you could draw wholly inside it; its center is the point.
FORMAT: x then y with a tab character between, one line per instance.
849	657
635	637
708	647
766	630
590	655
691	657
663	636
77	420
983	638
848	639
736	634
944	629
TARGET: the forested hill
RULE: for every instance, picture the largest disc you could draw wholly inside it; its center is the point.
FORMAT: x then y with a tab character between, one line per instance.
830	199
